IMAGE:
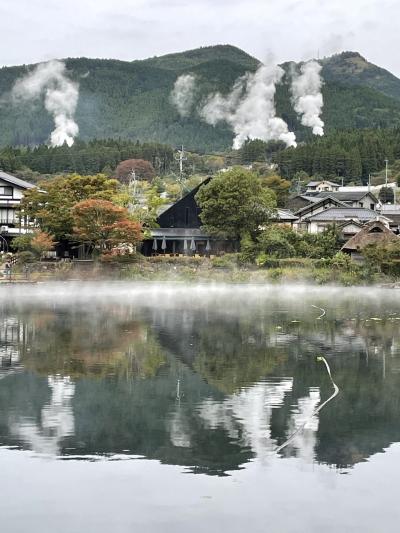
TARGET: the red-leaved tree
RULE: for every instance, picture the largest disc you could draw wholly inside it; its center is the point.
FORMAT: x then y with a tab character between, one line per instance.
104	225
143	170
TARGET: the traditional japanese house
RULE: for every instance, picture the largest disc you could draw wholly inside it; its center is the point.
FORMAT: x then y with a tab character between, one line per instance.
299	201
180	232
313	208
361	198
337	216
11	193
284	217
373	232
322	185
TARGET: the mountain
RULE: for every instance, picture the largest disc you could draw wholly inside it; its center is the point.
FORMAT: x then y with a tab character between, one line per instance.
353	69
132	99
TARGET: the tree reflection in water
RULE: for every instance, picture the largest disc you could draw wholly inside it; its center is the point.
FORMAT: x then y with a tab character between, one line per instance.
102	381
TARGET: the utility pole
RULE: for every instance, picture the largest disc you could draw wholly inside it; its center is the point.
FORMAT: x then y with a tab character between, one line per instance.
299	182
369	182
181	158
386	172
132	181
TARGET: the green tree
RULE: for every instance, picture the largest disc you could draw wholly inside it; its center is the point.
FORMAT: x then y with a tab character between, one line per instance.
280	186
386	195
277	241
50	204
235	202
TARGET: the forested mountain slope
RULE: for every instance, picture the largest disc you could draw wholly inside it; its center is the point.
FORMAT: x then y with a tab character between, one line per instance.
131	99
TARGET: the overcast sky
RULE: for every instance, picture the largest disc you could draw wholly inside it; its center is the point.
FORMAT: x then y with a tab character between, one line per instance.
38	30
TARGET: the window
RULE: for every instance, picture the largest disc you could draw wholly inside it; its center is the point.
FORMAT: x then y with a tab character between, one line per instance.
372	206
6	191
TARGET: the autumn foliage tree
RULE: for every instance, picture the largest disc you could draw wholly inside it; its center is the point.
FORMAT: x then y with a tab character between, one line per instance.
37	243
104	225
42	242
143	170
51	202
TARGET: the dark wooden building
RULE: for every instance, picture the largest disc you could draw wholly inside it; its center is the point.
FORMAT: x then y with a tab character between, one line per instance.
180	231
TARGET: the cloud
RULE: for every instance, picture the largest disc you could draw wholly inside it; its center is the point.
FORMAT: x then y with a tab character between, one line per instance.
133	29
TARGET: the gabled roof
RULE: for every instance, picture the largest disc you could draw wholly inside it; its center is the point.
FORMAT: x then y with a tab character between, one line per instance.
16	181
347	196
285	214
313	204
350	222
193	192
312	199
336	214
309	197
315	183
371	233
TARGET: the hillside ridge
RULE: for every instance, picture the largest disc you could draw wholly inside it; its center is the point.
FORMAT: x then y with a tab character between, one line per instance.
131	99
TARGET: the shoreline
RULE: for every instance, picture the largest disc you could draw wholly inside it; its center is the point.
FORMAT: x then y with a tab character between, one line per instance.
198	270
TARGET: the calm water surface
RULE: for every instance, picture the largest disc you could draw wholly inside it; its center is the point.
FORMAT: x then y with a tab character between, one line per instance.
160	408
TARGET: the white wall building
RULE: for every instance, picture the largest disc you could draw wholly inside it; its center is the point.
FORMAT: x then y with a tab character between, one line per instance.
321	186
12	190
317	223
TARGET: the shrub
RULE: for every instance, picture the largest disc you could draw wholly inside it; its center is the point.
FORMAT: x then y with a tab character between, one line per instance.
275	274
225	261
341	261
277	241
26	257
248	250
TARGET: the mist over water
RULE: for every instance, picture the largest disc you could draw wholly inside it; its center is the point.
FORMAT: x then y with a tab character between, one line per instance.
166	294
128	386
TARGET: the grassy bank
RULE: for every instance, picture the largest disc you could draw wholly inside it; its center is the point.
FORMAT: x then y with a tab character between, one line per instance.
228	269
199	269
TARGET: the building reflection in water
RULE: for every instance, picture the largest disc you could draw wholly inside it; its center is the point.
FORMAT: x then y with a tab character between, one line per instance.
56	419
246	415
12	344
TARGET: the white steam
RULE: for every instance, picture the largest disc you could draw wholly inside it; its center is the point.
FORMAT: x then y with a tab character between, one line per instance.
250	108
307	97
182	95
50	80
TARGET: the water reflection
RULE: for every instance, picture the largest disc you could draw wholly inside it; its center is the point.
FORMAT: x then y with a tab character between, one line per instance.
246	416
56	419
102	379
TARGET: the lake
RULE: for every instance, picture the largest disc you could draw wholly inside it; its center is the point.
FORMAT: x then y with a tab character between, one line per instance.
192	408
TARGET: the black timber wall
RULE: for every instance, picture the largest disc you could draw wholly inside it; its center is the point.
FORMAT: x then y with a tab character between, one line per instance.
184	213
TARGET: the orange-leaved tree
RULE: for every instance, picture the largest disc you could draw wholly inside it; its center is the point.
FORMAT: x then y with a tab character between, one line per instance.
104	224
42	242
37	242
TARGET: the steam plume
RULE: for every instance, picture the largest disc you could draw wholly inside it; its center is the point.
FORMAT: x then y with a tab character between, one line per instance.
182	95
307	97
250	108
60	98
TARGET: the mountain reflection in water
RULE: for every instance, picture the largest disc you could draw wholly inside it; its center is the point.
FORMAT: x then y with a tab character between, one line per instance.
100	380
